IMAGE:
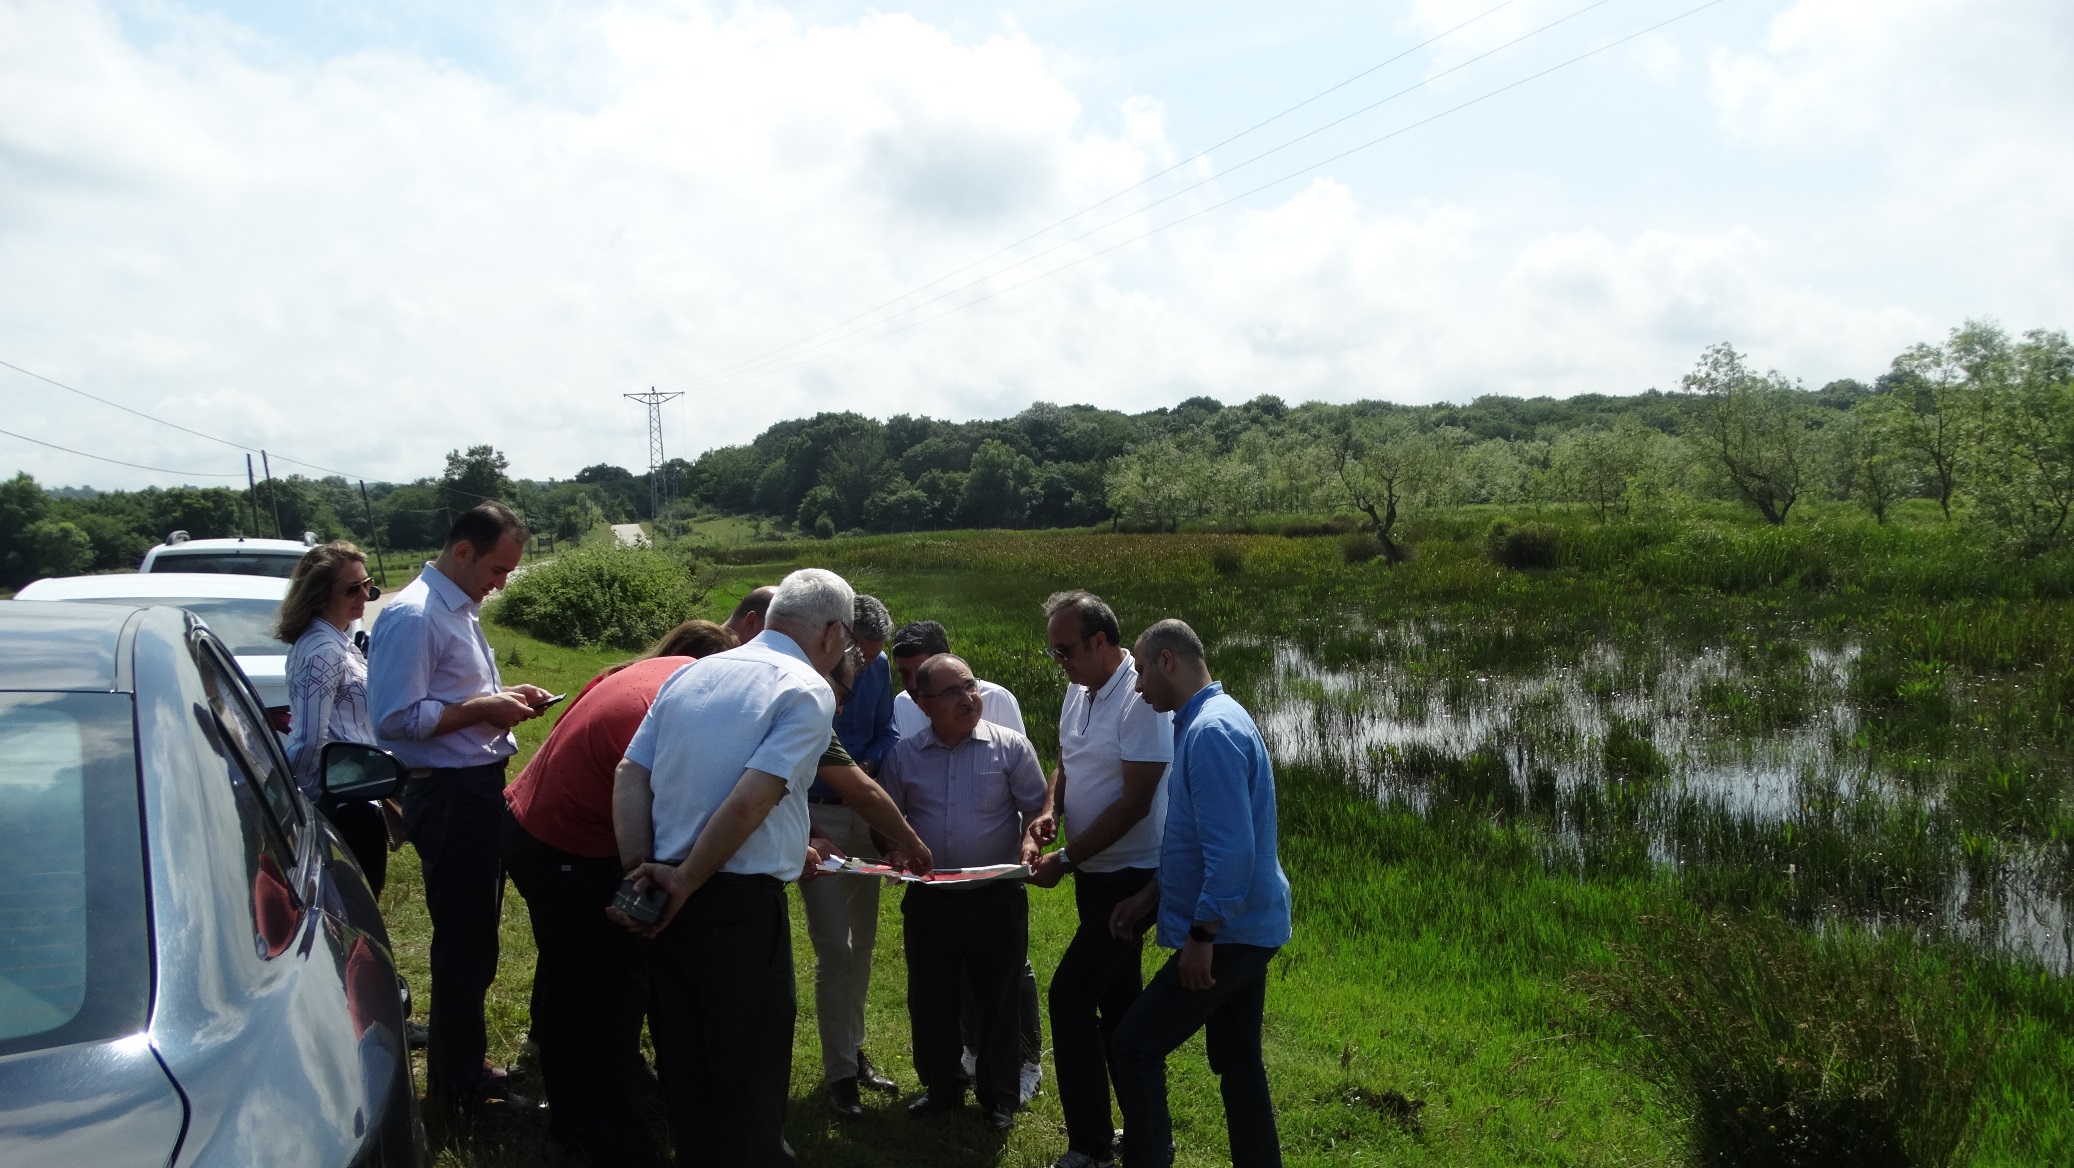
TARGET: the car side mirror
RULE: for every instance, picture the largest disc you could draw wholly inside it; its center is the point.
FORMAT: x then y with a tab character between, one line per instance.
356	771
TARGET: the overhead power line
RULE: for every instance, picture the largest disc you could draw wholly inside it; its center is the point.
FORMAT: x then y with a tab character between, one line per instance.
1106	200
198	474
1401	130
1171	196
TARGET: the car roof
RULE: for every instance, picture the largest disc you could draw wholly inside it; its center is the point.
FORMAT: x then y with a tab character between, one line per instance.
147	587
269	546
61	646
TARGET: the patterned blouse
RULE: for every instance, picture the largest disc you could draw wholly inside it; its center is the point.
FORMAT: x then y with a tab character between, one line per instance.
327	699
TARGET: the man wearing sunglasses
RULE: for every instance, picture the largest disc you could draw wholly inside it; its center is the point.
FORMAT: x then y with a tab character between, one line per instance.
1110	787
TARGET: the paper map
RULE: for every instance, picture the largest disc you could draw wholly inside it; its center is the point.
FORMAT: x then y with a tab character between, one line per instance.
850	866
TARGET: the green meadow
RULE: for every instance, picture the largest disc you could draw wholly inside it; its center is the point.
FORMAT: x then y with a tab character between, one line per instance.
1684	842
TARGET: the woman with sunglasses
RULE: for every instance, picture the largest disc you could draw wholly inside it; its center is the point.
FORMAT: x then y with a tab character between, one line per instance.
327	688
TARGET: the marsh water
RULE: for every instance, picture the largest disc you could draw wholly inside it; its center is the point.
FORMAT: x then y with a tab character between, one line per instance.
1741	770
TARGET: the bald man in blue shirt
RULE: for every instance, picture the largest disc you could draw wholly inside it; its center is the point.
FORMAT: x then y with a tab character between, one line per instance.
1222	901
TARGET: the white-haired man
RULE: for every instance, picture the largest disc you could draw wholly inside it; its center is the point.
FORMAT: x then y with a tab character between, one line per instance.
710	803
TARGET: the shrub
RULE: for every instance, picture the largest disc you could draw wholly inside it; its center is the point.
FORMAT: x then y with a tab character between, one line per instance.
1791	1050
1226	560
625	597
824	527
1359	547
1524	545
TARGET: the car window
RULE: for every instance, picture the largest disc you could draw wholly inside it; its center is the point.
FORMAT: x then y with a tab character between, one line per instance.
246	626
269	852
74	944
259	750
281	564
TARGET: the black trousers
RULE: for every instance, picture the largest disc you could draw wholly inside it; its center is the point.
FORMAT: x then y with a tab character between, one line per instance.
590	994
1164	1017
959	937
1097	981
455	819
360	824
723	1005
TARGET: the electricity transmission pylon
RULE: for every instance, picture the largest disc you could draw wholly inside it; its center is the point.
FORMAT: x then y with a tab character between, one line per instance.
658	494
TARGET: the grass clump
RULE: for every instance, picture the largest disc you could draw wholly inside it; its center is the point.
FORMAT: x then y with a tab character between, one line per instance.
1522	545
1359	547
622	597
1788	1049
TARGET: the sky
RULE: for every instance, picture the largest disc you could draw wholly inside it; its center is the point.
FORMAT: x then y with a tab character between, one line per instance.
361	235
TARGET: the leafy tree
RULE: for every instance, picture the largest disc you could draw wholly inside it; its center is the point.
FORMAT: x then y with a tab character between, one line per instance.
1385	465
1599	467
22	505
57	548
1754	431
1000	486
2023	466
1876	466
1940	404
1147	486
473	476
853	471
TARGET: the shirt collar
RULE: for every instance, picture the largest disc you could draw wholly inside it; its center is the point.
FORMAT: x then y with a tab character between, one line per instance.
1124	669
984	732
1187	713
449	593
778	642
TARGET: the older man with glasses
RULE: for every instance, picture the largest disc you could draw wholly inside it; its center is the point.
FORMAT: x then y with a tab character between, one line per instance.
970	788
1110	787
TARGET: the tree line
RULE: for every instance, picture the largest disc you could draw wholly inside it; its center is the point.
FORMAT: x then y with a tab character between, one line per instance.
1981	424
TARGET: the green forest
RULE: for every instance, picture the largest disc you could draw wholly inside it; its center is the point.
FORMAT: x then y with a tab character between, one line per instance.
1981	425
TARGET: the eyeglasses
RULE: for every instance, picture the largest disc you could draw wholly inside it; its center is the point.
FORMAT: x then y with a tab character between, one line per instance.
1061	655
969	686
366	584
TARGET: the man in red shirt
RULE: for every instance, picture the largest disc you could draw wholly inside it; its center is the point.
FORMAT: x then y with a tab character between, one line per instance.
589	991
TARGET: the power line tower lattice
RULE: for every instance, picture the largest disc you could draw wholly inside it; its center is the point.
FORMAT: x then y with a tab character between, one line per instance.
658	491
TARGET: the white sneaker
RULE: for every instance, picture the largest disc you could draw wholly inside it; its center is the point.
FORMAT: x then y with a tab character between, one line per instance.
1032	1079
970	1061
1082	1160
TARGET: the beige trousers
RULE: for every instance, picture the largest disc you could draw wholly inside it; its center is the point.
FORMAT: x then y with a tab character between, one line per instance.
843	924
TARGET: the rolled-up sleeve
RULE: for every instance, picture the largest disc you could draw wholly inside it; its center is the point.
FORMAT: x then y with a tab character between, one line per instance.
798	735
1219	774
399	677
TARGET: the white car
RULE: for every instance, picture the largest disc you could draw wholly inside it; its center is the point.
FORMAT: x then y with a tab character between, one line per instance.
239	609
241	557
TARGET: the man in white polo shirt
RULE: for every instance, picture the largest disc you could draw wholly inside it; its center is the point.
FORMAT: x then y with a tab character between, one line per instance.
710	802
1113	756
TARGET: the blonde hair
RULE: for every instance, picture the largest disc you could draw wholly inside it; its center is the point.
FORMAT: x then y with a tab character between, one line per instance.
312	585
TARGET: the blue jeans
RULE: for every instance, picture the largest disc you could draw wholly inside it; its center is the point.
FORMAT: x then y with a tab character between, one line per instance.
1164	1017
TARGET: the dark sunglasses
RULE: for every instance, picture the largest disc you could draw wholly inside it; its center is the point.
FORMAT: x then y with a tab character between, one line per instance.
373	593
1061	655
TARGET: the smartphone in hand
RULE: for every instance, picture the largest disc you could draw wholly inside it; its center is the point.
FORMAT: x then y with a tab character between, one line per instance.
547	703
644	908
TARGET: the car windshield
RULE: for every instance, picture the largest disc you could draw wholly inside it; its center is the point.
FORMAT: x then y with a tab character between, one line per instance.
280	564
73	957
246	626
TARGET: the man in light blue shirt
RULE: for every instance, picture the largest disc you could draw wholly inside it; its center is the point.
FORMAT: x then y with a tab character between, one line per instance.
1222	901
439	704
710	803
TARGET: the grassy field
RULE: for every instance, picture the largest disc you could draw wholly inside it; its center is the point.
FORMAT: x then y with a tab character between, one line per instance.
1697	833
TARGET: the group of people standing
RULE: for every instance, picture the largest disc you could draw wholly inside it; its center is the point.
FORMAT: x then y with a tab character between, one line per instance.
736	758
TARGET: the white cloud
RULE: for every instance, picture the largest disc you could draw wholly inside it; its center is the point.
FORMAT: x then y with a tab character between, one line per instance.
367	259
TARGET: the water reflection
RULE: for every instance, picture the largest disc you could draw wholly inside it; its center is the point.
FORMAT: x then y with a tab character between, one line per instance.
1736	769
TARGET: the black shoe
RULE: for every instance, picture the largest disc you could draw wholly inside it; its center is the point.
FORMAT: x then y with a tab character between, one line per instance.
415	1034
935	1103
1000	1119
868	1076
843	1101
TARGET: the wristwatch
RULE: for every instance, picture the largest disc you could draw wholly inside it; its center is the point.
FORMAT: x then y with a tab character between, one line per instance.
1199	933
1065	861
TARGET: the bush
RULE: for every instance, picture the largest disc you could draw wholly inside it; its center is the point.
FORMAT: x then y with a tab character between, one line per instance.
1524	545
824	527
1226	561
1790	1050
1359	547
624	597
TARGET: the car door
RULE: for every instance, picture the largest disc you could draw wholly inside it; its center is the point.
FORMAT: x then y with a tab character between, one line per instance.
306	1085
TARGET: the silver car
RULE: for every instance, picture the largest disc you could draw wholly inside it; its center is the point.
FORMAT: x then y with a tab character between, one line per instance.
192	969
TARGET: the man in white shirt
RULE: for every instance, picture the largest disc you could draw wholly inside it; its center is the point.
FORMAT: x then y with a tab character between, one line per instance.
710	803
1110	786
